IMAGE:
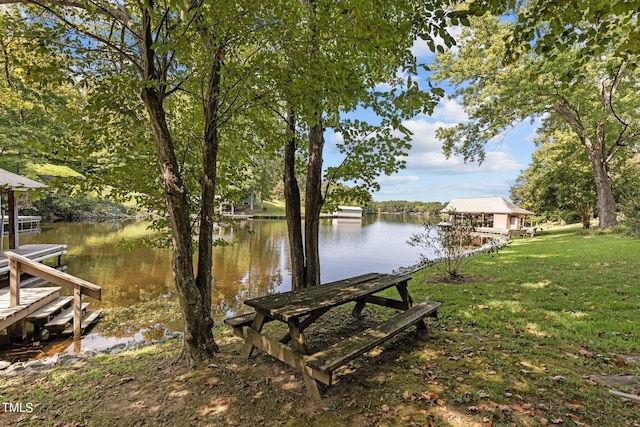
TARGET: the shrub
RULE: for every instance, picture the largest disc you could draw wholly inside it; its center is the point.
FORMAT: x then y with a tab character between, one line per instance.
449	242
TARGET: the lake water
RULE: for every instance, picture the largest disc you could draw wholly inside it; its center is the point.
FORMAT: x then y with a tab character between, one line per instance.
257	262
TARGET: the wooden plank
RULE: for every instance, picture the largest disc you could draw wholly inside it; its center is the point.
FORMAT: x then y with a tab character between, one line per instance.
242	320
32	300
14	283
256	325
385	302
54	276
37	252
288	305
61	320
50	309
77	310
89	318
28	281
272	347
292	297
326	361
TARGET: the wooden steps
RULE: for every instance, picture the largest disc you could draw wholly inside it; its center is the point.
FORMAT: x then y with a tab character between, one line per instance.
60	322
87	319
45	313
57	317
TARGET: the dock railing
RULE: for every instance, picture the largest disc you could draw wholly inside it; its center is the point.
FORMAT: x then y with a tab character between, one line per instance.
19	263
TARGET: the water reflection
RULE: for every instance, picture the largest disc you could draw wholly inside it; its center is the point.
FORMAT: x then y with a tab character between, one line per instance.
257	263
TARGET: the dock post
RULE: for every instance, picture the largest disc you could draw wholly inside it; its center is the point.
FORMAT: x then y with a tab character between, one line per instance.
77	311
14	283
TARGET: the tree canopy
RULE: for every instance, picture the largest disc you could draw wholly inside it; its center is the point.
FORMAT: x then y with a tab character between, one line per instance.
598	105
177	102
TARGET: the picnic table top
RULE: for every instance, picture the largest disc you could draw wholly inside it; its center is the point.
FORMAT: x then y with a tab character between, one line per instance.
288	305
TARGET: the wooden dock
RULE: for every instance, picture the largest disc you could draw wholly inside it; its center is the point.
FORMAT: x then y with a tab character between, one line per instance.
42	306
31	300
35	252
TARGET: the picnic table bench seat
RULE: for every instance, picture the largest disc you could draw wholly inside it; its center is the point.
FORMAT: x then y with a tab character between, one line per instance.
323	363
241	320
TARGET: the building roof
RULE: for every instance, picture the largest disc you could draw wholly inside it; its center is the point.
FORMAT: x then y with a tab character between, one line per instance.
12	181
350	208
485	205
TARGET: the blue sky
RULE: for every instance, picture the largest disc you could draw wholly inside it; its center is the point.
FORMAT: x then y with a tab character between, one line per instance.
429	176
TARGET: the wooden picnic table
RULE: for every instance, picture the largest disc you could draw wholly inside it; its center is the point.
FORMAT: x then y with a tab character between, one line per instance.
301	308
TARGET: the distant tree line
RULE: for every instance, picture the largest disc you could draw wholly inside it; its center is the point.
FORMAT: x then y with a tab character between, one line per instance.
403	206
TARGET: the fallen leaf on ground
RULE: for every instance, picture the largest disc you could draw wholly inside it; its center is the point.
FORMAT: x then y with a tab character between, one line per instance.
574	406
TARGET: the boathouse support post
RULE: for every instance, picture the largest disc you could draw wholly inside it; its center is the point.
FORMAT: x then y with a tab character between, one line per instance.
13	219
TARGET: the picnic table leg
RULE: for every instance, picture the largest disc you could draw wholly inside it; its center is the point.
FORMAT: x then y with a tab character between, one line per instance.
358	308
314	388
408	302
404	294
257	324
297	337
304	324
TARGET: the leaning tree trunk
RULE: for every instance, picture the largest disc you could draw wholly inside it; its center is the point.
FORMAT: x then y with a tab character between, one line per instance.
198	342
292	207
313	205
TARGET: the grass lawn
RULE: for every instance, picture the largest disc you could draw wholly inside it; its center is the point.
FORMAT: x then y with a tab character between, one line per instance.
534	335
272	208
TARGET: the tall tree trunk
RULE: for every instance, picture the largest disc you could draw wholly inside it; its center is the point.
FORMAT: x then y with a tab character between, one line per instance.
195	302
606	204
313	204
195	308
292	207
210	144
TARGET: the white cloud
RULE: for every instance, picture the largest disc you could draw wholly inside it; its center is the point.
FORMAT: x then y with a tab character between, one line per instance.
335	138
394	181
426	154
424	134
420	49
444	189
450	111
435	163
